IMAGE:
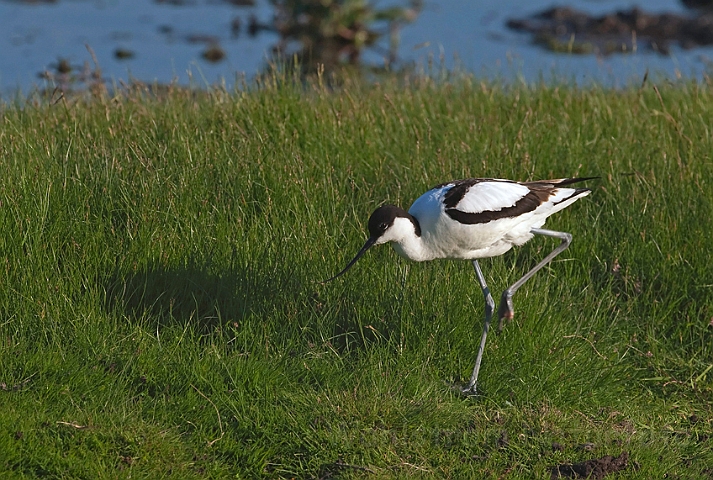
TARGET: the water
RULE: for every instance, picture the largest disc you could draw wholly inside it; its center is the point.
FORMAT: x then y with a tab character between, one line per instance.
485	46
465	33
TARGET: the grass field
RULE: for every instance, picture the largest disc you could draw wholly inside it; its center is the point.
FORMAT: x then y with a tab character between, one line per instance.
161	316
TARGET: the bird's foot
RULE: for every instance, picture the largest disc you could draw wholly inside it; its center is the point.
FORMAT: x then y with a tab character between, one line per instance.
505	309
468	391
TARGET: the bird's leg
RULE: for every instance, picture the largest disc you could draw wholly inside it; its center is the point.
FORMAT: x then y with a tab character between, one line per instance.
505	309
489	308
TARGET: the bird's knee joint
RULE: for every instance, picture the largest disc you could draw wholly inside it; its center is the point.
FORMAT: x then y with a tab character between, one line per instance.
489	305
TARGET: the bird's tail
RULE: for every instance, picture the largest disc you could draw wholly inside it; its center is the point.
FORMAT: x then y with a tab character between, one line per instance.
560	182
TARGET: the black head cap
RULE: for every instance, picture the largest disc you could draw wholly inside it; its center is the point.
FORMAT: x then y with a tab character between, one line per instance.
383	217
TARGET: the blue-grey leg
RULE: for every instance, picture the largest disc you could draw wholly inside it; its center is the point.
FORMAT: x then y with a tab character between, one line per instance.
505	309
489	308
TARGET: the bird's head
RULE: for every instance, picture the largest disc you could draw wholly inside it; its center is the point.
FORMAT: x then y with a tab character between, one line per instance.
388	223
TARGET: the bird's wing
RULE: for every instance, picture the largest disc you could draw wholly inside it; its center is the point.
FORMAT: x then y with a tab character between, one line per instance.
490	196
480	201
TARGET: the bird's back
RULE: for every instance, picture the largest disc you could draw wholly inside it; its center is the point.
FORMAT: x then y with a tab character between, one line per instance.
477	218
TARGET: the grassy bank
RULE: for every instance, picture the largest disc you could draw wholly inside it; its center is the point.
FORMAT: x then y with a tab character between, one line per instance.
160	311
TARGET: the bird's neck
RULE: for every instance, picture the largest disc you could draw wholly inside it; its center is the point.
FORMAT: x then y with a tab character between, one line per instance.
408	242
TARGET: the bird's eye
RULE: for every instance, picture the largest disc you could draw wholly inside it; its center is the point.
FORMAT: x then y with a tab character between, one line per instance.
383	226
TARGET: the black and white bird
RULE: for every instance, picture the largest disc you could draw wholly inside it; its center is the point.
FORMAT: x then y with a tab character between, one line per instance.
471	219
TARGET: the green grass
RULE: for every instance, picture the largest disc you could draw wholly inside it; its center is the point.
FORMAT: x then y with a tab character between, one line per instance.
161	316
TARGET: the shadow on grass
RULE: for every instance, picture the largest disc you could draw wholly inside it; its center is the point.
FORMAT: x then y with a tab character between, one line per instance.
274	300
193	294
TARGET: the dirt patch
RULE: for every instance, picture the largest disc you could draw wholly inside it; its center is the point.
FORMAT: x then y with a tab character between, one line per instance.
593	469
